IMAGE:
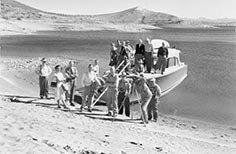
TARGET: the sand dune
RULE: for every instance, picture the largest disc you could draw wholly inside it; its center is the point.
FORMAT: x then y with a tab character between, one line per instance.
32	125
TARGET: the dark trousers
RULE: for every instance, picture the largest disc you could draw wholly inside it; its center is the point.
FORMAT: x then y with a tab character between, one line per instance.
148	61
72	88
121	97
161	63
152	108
44	86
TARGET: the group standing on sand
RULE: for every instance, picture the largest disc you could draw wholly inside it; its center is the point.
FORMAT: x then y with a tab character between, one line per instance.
119	83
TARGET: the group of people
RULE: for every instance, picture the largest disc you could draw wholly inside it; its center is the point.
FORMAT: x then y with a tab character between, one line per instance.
141	57
64	84
118	84
122	85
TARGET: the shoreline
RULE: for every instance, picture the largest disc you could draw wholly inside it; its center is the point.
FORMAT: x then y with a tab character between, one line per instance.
41	126
25	67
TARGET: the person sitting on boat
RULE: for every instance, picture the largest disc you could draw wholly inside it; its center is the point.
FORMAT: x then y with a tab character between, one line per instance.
139	51
142	89
124	88
113	55
139	67
112	83
61	87
71	73
162	58
153	105
148	54
89	78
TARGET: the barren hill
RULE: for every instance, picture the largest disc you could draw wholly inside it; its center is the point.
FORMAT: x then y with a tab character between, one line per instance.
19	18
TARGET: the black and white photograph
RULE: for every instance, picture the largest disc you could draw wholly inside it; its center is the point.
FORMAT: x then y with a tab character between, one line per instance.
118	77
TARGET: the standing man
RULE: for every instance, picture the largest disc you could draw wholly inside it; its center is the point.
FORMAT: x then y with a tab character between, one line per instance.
124	88
139	51
71	75
112	83
44	71
152	106
162	57
88	79
148	54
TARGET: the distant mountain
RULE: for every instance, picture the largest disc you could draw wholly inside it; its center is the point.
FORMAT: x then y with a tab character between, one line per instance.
140	15
137	15
15	14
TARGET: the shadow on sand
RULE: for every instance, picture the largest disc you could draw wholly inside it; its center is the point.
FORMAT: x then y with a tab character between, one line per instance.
50	103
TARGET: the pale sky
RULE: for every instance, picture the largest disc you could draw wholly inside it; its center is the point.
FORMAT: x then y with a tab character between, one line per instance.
182	8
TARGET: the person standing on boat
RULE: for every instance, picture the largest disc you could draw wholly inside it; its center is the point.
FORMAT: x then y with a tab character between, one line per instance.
142	89
112	83
153	105
162	57
139	51
124	88
43	71
123	56
148	54
113	55
89	78
71	73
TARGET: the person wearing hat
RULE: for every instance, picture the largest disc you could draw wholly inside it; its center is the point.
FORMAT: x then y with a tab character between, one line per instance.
112	83
43	72
152	106
124	88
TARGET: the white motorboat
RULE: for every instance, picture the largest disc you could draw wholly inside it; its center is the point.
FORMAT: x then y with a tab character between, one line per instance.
175	72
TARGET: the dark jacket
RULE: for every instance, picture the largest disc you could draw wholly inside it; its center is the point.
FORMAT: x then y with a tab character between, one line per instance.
140	49
162	52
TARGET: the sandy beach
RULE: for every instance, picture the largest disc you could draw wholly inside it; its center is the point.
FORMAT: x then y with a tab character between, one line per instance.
32	125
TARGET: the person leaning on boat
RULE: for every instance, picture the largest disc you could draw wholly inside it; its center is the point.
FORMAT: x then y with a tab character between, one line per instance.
88	79
153	105
71	73
162	57
124	88
43	72
112	83
148	54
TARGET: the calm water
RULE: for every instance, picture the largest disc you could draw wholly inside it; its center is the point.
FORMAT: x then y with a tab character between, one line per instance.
208	93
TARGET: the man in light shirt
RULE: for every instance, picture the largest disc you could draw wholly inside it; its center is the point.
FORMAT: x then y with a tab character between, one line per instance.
88	79
43	71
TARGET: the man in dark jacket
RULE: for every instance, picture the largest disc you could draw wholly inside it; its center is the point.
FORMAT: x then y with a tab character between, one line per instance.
162	57
139	51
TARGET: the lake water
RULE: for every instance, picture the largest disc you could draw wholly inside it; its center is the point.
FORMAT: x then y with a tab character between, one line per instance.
209	91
